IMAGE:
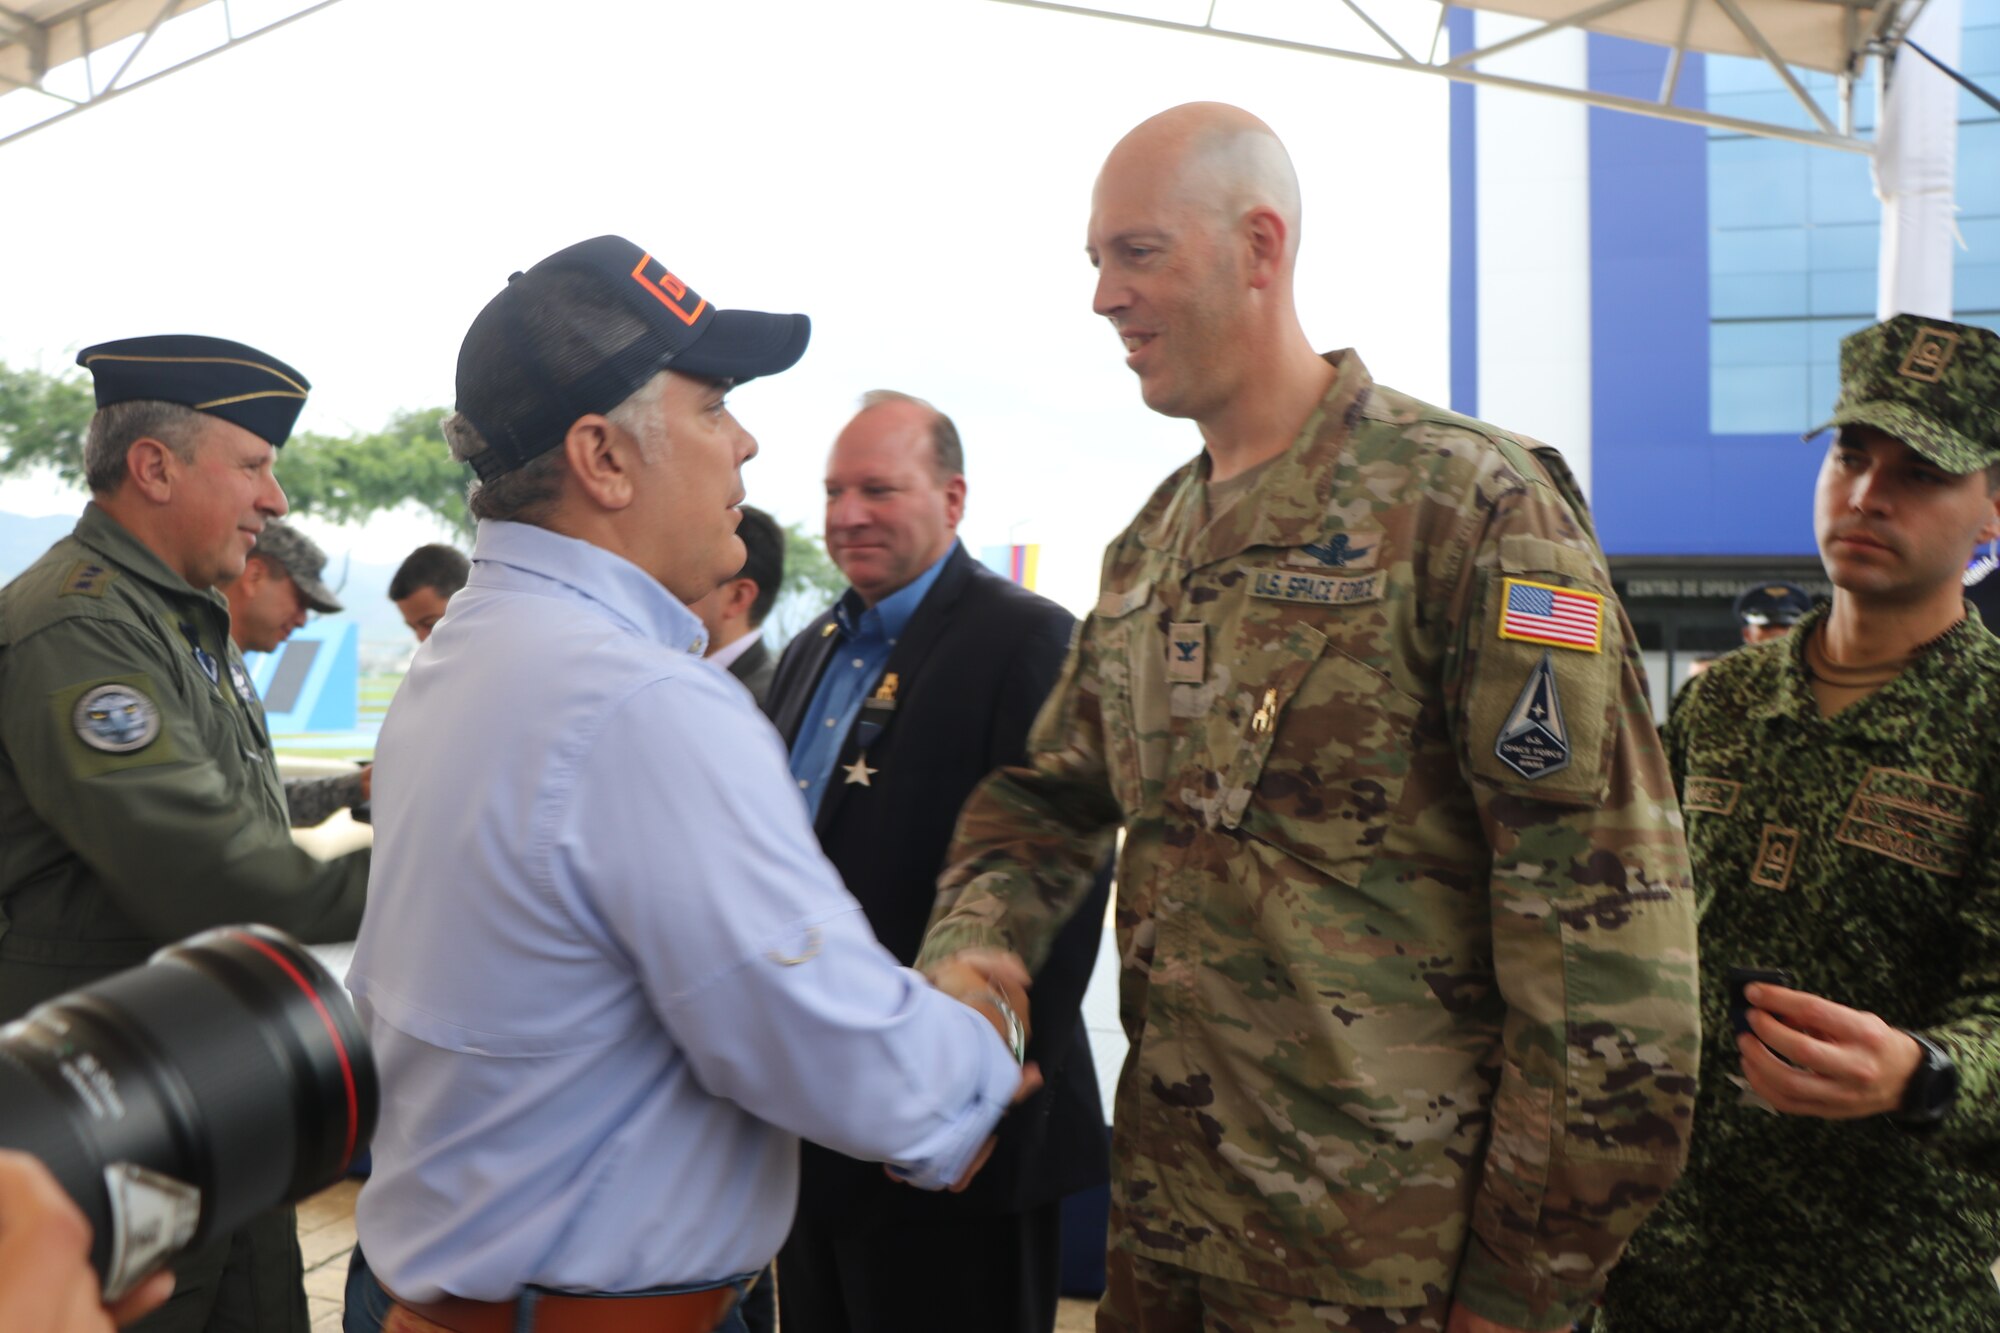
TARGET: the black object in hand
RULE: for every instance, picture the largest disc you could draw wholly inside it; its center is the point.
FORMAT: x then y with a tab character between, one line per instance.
1739	977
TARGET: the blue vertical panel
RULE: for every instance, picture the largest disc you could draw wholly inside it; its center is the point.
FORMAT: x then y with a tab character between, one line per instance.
1663	483
338	703
312	683
1464	228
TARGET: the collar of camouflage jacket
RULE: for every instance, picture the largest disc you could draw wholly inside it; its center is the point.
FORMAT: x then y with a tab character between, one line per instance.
1288	505
112	540
1884	715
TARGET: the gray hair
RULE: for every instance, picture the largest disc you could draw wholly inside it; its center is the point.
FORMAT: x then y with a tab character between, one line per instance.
526	494
947	453
115	429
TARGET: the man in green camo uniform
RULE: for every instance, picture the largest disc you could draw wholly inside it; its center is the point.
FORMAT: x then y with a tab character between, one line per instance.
1403	905
139	799
1842	788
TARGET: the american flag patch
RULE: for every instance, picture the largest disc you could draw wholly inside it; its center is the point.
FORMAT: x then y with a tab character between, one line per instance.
1543	613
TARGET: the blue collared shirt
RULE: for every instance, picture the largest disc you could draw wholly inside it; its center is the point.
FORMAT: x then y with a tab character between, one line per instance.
607	974
867	636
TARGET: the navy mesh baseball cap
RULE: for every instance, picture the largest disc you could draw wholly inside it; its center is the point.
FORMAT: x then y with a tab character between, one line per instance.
583	329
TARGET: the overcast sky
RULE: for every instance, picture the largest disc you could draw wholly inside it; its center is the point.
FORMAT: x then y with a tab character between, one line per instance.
914	174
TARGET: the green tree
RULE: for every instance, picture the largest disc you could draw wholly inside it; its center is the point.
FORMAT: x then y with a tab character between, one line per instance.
812	583
344	479
42	420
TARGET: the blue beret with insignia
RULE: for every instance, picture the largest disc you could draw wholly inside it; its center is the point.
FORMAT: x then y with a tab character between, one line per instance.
242	385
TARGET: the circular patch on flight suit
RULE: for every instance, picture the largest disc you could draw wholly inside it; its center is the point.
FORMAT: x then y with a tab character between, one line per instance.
116	719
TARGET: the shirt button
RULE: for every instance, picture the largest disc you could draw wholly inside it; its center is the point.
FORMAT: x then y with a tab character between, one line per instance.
803	784
829	722
857	664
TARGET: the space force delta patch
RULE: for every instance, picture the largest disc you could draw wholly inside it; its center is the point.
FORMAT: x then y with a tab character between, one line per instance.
1533	741
1558	617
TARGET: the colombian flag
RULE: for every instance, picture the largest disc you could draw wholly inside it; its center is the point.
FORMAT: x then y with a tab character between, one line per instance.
1014	562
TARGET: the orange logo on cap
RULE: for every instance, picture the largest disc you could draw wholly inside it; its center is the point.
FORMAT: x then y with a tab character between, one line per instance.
673	293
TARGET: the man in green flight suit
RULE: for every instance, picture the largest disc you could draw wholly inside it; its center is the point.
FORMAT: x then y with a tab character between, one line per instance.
1842	793
1403	904
139	798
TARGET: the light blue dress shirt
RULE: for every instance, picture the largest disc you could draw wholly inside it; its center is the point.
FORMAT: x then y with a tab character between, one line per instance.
608	977
868	635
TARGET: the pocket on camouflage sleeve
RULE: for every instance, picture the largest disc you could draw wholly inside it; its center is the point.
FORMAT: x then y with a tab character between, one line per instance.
1322	758
1507	1210
1544	651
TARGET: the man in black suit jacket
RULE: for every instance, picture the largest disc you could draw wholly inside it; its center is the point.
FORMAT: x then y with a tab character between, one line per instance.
923	679
734	613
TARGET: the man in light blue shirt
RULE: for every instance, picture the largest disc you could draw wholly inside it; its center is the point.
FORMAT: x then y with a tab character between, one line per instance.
608	975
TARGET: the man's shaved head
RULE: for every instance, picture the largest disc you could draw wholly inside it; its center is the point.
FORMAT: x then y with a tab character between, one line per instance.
1214	158
1194	230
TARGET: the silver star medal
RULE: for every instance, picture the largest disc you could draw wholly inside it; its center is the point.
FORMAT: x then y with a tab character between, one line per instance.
858	772
1534	742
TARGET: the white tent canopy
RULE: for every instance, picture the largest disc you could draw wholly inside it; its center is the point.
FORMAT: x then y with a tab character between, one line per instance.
59	57
1819	36
1832	36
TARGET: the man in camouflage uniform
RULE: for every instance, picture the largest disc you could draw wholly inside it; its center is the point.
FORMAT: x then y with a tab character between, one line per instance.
1840	788
280	584
139	800
1403	907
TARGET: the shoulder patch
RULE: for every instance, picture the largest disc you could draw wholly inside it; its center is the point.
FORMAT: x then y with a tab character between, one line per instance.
1547	614
116	719
112	724
87	578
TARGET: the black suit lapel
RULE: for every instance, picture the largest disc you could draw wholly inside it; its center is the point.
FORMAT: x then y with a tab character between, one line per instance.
751	661
913	646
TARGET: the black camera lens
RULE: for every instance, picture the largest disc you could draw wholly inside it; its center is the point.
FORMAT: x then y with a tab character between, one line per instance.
177	1101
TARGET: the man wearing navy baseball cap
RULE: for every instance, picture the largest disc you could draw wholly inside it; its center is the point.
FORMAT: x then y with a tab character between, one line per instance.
607	973
139	798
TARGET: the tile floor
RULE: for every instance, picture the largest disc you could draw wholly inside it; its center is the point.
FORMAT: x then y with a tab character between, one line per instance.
326	1235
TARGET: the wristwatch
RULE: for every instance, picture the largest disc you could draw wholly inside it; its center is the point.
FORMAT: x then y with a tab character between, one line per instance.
1017	1039
1931	1089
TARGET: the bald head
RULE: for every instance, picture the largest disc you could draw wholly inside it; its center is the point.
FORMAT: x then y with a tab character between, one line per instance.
1194	228
1210	158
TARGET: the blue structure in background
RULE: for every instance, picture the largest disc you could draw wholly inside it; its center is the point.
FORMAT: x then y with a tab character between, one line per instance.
1724	271
312	683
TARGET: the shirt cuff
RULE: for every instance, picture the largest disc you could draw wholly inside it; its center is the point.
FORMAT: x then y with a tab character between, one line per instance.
999	1080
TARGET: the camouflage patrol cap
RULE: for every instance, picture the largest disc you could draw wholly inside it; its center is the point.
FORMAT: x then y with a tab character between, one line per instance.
299	556
1932	384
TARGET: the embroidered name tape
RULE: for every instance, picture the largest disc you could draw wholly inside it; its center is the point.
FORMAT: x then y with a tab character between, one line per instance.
1289	585
1558	617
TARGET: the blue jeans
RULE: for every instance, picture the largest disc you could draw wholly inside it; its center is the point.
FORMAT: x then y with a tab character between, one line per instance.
368	1302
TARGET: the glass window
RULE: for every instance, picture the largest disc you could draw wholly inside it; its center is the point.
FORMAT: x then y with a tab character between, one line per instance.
1794	234
1759	400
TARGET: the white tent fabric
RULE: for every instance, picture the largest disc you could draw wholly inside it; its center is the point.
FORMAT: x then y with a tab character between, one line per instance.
1825	35
38	35
60	57
1840	37
1916	159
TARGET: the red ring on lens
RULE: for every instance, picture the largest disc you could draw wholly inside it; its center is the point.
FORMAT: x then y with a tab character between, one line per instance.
333	1032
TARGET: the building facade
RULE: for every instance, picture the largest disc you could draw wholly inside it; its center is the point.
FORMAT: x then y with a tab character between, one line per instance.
1665	303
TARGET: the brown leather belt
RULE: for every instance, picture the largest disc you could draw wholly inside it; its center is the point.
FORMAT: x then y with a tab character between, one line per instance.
683	1312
